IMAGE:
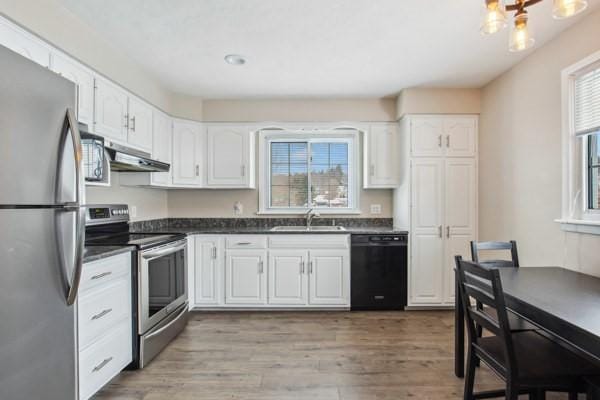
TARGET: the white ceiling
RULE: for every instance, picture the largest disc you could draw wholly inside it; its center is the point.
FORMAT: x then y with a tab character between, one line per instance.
310	48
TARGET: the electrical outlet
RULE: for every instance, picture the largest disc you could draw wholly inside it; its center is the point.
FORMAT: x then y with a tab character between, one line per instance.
238	208
375	208
133	212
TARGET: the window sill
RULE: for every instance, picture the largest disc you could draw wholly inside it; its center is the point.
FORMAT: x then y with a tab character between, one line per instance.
579	226
321	212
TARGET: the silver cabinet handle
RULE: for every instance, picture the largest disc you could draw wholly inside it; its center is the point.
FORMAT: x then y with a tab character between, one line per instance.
448	141
372	170
260	267
310	267
102	364
243	243
448	231
126	121
102	275
302	268
440	231
214	253
440	141
197	170
101	314
133	124
243	168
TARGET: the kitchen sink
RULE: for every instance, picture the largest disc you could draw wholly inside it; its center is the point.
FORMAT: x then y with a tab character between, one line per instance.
295	228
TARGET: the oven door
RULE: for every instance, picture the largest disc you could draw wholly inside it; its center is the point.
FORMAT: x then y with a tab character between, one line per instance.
162	282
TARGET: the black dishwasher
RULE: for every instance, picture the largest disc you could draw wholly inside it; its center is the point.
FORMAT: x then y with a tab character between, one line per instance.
379	272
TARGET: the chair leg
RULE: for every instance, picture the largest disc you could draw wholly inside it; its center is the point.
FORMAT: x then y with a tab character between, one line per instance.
479	330
512	392
470	376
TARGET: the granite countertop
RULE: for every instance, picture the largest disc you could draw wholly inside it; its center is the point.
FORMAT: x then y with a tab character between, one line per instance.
364	230
93	253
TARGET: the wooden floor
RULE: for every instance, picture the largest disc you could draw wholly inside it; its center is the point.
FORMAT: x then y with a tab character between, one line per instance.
304	355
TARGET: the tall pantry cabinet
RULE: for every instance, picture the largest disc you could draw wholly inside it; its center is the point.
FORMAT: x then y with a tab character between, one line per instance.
439	185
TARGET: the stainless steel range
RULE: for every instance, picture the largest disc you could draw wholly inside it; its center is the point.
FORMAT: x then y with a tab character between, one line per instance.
160	277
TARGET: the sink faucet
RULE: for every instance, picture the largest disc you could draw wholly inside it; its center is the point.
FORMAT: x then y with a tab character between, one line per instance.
310	216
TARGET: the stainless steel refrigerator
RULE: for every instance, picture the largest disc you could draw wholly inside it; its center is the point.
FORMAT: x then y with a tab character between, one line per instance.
41	231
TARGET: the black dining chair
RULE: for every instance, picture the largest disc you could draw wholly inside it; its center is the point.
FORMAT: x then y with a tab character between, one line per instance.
527	361
516	323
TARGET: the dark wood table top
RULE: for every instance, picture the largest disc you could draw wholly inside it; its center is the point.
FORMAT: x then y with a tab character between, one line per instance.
564	303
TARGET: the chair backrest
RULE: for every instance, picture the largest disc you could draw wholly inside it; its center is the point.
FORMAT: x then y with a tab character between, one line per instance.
482	284
476	247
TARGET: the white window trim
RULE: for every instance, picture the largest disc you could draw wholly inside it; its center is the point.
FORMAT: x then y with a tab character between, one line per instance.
266	136
576	217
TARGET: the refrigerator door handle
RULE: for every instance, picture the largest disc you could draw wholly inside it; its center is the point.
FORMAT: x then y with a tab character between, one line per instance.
79	249
71	128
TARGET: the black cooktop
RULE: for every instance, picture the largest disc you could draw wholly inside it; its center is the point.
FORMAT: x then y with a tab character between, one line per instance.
139	240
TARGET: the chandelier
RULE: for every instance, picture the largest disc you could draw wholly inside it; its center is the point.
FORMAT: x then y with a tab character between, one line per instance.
494	18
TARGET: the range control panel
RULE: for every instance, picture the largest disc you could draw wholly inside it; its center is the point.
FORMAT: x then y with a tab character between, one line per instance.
97	214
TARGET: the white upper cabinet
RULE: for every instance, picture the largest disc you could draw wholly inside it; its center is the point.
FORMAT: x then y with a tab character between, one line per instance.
140	124
461	136
441	135
187	154
24	43
381	156
162	146
229	157
427	136
111	119
84	79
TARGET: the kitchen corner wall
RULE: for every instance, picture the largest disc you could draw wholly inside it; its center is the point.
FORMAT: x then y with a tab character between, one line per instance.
219	203
520	155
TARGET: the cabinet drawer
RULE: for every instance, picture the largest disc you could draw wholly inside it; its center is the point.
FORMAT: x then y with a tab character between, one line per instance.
105	270
103	309
246	242
99	363
308	241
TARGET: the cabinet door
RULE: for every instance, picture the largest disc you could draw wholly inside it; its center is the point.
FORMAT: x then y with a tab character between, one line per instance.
329	277
460	215
208	271
461	136
110	111
427	136
84	79
287	277
427	243
228	156
162	146
140	124
24	44
186	154
245	277
382	157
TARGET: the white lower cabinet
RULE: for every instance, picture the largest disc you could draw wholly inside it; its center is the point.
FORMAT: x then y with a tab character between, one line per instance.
264	271
245	277
104	322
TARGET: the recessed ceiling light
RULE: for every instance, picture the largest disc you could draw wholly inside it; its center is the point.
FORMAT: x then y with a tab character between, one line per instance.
235	59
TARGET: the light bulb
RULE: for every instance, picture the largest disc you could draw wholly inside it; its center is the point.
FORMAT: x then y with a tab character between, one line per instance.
520	36
493	16
568	8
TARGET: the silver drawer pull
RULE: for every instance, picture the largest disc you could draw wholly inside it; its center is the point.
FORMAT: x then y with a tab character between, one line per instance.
102	364
101	314
100	276
243	243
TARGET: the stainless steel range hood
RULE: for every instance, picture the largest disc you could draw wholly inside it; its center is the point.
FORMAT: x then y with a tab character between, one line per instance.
123	158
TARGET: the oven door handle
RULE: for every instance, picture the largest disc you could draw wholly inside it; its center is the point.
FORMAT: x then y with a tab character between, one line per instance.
163	252
167	326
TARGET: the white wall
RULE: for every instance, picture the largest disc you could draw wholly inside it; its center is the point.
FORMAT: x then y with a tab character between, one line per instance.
520	155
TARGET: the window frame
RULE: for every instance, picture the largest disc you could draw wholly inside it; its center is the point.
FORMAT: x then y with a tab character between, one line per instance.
349	136
576	214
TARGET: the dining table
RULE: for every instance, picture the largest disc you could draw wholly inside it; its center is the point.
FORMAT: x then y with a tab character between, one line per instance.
563	303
